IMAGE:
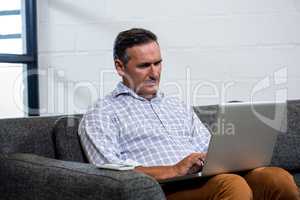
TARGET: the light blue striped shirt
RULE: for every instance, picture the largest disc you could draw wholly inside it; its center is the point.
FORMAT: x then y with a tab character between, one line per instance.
126	128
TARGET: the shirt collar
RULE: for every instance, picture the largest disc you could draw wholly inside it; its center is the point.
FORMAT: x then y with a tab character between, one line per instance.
122	89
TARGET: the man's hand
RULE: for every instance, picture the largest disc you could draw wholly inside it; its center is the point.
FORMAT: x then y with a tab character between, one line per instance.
191	164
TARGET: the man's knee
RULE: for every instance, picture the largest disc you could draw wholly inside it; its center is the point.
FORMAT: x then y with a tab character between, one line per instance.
232	180
272	175
274	179
233	185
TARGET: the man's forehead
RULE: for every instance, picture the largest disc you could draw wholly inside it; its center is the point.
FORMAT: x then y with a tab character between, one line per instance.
144	50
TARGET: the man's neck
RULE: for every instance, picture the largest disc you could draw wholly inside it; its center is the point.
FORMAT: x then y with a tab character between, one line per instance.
145	96
148	97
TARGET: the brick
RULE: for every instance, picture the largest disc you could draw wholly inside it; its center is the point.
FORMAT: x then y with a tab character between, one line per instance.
195	63
216	42
76	12
43	11
195	92
56	38
248	30
72	65
94	37
293	88
245	90
141	10
259	61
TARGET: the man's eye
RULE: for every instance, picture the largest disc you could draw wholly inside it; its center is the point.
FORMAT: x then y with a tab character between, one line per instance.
144	65
157	63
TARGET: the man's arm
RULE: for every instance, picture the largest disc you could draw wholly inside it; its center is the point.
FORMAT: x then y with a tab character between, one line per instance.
158	172
190	164
98	134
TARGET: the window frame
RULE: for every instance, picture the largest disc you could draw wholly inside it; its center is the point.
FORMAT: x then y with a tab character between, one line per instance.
30	58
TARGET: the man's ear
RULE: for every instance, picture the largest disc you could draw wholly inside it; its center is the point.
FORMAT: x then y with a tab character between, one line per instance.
120	67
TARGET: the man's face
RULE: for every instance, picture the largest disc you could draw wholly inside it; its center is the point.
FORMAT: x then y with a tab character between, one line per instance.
142	71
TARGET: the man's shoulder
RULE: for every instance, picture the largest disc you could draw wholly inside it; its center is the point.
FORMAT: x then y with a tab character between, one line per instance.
102	104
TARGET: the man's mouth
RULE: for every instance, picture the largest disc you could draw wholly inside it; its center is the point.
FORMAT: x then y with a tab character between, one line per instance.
150	82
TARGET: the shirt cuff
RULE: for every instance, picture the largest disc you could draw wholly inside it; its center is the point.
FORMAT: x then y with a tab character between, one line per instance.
131	163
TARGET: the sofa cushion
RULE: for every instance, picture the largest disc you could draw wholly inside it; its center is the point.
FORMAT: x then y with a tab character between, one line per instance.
66	140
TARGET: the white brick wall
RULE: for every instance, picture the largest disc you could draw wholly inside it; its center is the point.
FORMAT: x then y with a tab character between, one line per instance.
213	51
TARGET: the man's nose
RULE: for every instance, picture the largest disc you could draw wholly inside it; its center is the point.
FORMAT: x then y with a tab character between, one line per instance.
155	70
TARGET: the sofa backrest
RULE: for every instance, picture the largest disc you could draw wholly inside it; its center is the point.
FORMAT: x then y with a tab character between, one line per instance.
286	152
56	137
51	136
27	135
66	140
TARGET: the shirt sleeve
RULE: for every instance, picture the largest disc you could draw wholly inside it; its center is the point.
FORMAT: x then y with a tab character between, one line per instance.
99	134
201	135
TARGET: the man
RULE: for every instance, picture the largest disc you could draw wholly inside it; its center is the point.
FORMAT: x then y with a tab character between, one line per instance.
136	124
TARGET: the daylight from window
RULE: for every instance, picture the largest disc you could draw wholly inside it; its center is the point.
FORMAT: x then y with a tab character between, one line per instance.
11	75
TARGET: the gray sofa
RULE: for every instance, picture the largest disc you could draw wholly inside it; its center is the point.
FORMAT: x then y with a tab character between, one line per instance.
41	158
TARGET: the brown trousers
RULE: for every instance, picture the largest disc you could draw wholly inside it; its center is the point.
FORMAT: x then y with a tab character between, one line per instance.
270	183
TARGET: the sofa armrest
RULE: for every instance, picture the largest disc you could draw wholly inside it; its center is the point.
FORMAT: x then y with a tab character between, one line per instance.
27	176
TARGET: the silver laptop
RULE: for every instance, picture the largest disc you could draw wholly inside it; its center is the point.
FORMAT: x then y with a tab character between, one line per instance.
242	139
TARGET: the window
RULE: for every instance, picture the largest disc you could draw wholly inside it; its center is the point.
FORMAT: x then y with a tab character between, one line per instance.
18	58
